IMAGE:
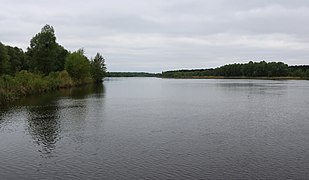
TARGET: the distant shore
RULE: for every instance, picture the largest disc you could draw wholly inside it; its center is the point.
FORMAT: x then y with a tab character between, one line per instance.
240	77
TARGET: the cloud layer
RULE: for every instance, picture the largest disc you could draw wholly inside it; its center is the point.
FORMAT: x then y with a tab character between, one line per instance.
156	35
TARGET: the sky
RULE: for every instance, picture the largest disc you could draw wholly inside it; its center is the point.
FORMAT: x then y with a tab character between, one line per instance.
160	35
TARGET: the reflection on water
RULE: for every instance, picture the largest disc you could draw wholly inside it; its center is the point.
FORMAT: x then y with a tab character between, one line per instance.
82	92
252	84
43	126
43	119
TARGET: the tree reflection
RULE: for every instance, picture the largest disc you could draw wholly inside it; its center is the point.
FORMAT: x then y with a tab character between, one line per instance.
44	115
97	90
43	123
3	109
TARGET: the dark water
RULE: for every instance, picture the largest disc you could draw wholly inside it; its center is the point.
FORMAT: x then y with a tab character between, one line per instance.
149	128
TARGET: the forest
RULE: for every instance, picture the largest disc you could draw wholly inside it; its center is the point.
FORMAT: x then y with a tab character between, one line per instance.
251	69
45	66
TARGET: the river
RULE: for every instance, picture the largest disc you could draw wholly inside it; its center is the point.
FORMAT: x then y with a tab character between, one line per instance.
152	128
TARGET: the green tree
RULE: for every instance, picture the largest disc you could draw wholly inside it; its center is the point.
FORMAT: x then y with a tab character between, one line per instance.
4	60
307	73
60	59
45	54
77	65
98	68
248	69
16	59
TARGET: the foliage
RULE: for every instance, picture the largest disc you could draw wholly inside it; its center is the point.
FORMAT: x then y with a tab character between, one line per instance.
78	65
42	51
4	60
25	83
98	68
45	54
42	67
16	59
251	69
60	58
299	71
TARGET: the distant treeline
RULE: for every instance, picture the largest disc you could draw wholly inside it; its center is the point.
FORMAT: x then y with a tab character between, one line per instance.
251	69
131	74
45	66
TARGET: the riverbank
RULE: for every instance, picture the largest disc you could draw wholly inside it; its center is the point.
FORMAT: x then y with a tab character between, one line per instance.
240	77
25	83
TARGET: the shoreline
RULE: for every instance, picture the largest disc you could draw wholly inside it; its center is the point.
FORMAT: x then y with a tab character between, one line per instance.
10	97
23	84
239	77
13	97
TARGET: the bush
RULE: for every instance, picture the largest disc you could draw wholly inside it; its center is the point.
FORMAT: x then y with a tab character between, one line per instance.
78	66
25	83
65	79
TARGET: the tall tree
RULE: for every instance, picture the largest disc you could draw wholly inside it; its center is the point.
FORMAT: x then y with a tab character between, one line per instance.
98	68
45	54
16	59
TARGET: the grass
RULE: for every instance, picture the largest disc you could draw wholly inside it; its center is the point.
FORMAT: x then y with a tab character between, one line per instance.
26	83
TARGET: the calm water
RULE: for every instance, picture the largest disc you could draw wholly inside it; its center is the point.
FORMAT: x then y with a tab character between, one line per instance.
149	128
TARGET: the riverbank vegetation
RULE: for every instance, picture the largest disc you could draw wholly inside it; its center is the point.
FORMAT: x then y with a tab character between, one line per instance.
256	70
45	66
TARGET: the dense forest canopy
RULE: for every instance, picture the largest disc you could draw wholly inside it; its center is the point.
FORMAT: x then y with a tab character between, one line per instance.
250	69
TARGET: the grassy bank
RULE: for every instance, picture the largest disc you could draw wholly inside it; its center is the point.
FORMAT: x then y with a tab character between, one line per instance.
25	83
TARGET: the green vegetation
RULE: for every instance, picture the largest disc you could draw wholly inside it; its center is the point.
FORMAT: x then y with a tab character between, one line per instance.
25	83
4	60
97	68
78	66
131	74
45	66
261	69
45	54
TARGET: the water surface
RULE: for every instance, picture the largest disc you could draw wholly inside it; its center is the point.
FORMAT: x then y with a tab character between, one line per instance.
151	128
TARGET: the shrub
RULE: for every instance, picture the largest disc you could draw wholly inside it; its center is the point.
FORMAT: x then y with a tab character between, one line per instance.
78	66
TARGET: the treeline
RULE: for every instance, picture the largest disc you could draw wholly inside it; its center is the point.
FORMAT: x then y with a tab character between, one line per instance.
45	66
131	74
251	69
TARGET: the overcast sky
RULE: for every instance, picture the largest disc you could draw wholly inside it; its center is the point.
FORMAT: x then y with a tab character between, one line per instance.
158	35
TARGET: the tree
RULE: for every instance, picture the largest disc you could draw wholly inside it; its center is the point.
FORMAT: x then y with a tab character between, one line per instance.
16	59
45	54
60	59
4	60
98	68
307	73
248	69
77	65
